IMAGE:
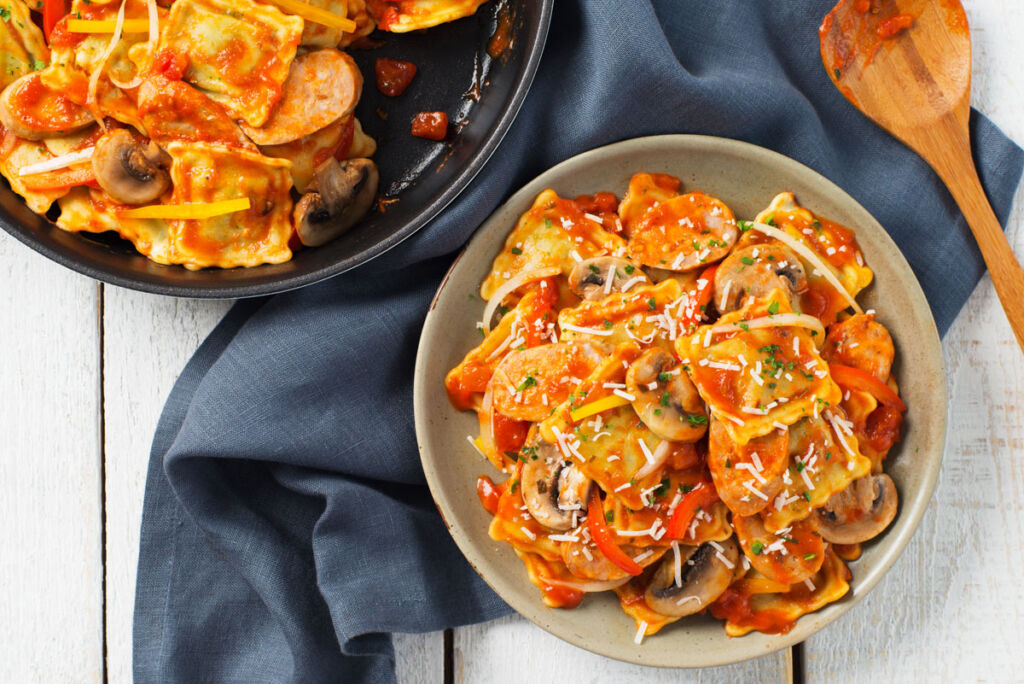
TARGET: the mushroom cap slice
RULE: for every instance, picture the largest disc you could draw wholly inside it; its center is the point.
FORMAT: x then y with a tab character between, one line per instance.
588	278
704	575
130	171
340	195
553	489
756	270
669	405
860	512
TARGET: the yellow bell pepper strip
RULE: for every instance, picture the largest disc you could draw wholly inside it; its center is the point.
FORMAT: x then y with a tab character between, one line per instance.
107	26
188	211
587	410
316	14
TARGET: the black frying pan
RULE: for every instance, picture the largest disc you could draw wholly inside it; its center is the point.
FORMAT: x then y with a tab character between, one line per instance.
456	75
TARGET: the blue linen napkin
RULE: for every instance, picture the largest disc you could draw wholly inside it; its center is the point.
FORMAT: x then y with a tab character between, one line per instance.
287	528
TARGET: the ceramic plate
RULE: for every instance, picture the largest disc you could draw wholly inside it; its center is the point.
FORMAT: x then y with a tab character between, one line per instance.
746	178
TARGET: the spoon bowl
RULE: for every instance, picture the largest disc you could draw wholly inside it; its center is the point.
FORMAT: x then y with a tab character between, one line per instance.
906	64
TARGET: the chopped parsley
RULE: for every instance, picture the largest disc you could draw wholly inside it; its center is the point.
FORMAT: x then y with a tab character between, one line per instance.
744	226
747	260
773	308
594	269
810	556
629	270
695	420
664	398
609	516
530	381
757	547
651	304
662	488
5	13
807	496
663	377
516	251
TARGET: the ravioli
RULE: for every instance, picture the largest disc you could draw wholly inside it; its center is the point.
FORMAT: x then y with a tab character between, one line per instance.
18	154
199	172
87	209
646	191
644	314
553	233
745	608
22	48
819	466
757	379
402	16
238	52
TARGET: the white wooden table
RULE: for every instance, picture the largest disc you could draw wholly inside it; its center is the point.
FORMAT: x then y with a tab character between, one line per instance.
88	367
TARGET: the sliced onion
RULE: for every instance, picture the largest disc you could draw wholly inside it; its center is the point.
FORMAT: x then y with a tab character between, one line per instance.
486	419
154	23
94	77
659	456
807	253
134	83
510	286
773	321
60	162
586	586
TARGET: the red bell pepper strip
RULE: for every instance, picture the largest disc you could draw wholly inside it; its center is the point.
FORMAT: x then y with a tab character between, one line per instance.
703	495
53	11
602	536
848	377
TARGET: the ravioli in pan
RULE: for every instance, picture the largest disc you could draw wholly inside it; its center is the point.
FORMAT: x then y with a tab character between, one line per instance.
688	408
209	133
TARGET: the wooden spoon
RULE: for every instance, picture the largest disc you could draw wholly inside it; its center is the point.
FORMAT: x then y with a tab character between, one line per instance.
906	64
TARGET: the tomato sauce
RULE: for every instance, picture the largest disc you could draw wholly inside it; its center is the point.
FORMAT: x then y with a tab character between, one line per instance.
393	75
509	434
502	39
430	125
734	605
488	493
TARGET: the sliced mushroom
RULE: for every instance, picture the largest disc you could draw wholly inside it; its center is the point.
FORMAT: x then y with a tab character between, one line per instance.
553	489
130	171
666	400
30	109
756	270
704	573
860	512
589	279
341	193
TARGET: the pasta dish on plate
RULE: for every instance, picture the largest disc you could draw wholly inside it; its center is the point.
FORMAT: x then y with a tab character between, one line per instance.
208	133
692	410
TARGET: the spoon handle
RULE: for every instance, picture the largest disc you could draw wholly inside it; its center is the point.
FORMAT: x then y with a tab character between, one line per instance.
955	166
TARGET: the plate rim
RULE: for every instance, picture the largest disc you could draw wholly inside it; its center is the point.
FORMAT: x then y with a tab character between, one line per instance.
809	624
474	165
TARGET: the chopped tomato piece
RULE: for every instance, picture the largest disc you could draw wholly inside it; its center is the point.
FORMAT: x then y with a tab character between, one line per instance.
702	496
430	125
602	536
393	75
